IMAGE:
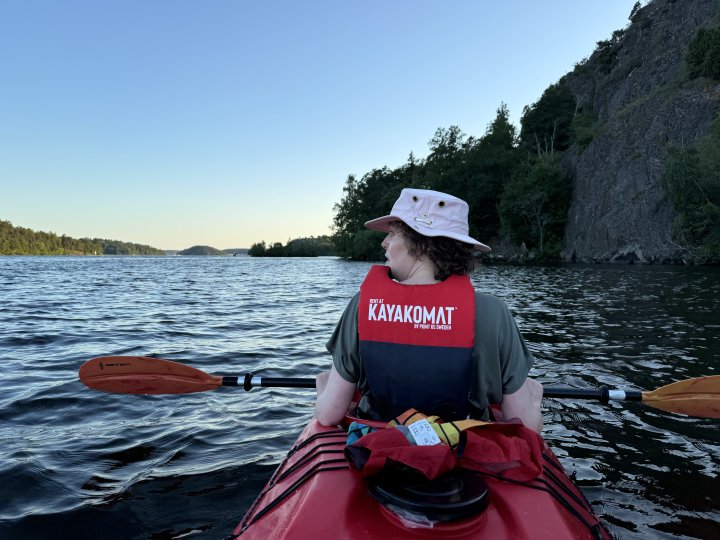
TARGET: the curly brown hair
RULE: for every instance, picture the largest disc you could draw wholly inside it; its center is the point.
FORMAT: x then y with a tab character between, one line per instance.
449	256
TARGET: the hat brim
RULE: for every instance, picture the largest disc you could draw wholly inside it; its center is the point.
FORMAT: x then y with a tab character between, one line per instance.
382	224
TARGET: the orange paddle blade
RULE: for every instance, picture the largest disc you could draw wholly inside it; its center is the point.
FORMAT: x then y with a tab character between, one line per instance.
695	397
144	375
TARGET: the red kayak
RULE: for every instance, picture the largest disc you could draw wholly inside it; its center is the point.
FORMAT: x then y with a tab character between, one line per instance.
314	493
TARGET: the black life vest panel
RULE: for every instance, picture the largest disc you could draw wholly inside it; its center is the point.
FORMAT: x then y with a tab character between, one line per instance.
416	344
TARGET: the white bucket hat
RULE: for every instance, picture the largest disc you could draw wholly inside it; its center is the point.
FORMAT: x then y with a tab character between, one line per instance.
430	213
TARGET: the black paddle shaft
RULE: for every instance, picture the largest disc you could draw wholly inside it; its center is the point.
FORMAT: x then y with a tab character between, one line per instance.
249	382
604	394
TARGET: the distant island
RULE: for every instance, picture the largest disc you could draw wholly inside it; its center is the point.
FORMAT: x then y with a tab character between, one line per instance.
314	246
207	250
200	250
22	241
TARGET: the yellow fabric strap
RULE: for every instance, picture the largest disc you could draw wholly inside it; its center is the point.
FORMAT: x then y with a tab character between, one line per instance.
448	432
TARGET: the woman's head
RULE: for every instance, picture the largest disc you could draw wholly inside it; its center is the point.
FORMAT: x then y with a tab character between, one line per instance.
427	225
448	256
402	263
430	213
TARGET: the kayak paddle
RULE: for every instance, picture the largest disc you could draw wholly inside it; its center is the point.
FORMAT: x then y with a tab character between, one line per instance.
145	375
699	396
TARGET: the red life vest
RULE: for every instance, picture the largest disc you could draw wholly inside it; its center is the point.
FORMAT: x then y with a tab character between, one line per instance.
416	344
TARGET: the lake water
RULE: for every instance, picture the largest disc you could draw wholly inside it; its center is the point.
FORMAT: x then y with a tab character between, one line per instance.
77	463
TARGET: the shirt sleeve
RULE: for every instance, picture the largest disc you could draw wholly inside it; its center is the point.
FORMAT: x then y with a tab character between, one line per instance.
344	344
515	357
502	359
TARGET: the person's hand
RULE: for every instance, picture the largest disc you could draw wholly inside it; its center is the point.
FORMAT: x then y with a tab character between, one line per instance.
497	414
321	381
525	405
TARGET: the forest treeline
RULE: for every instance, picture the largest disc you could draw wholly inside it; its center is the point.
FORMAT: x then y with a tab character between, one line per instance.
514	182
23	241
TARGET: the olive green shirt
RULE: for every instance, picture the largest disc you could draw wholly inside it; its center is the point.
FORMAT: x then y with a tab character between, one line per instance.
500	356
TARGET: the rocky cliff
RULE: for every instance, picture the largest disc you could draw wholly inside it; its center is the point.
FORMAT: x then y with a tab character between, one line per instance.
636	87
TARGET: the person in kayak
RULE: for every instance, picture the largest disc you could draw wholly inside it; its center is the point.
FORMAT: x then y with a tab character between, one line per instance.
417	335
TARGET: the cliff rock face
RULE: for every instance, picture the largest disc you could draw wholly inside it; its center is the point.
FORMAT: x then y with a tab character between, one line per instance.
643	101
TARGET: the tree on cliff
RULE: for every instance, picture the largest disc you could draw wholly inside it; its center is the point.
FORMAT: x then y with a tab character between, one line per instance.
703	57
692	181
490	165
533	207
546	125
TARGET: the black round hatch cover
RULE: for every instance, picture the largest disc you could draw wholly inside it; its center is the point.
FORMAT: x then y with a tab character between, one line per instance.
458	494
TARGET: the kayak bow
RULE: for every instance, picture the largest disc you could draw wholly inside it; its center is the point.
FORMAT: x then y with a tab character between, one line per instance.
315	494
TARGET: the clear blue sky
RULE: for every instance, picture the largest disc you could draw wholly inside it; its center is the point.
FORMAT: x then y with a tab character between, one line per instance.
218	122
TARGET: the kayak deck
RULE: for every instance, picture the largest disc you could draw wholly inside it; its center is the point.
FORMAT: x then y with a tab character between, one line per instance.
315	493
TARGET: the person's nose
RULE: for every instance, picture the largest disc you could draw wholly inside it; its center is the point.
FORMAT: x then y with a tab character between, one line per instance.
384	243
